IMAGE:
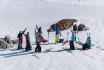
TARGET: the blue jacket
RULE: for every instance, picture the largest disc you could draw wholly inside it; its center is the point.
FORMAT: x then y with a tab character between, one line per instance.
88	41
57	30
73	37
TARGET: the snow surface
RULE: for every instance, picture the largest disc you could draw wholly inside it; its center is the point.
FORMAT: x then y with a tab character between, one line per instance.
15	15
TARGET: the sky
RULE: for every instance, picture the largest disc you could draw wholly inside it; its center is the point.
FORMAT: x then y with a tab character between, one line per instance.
15	15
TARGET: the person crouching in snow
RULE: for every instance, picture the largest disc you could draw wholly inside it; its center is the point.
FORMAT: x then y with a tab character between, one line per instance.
28	45
87	45
58	34
88	41
20	37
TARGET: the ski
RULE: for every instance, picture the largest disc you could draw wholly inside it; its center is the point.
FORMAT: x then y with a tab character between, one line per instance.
47	50
45	44
35	55
68	50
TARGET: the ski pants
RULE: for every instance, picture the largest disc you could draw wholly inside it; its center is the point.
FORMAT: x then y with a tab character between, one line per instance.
57	39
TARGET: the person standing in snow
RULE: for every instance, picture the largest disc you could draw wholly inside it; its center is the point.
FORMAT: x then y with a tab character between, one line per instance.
28	45
20	37
58	34
38	47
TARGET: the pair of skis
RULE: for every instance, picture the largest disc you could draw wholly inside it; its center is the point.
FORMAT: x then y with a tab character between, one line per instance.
45	51
68	50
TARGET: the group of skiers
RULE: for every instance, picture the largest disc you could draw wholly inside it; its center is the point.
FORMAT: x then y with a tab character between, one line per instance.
40	38
87	45
74	31
20	38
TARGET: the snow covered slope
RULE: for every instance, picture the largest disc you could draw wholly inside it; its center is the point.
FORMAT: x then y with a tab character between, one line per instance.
15	15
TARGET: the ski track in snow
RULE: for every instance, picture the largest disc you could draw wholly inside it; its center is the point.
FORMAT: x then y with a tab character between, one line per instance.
87	60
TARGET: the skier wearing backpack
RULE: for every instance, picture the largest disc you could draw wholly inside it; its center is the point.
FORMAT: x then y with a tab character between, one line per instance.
28	45
20	37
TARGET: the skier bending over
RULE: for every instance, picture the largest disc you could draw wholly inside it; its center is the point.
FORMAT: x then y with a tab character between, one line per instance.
39	33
